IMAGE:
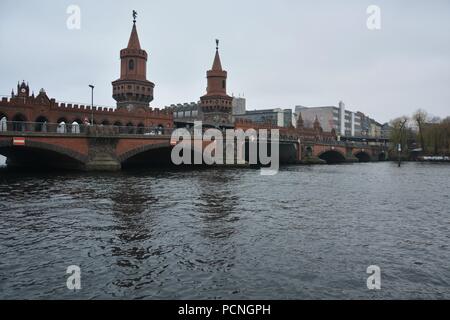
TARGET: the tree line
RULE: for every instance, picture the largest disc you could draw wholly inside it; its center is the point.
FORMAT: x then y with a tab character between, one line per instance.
420	134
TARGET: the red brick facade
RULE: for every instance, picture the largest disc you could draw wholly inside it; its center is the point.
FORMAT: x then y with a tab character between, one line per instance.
41	109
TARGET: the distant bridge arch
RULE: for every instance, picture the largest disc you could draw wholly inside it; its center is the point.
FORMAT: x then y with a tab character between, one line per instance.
146	154
363	156
332	156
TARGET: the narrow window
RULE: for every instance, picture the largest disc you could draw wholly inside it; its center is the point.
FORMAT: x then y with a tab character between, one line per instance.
131	64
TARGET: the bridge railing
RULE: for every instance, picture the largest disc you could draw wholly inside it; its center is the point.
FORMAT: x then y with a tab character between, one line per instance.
23	127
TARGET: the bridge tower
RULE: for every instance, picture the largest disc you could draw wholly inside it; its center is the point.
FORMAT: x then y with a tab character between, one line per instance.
132	90
216	104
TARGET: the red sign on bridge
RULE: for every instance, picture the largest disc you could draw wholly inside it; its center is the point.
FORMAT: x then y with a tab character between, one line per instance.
18	141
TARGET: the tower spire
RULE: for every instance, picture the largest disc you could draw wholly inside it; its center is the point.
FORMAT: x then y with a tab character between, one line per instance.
134	43
216	104
300	122
132	90
217	65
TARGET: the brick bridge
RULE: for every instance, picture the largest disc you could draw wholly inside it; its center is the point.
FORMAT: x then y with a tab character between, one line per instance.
111	148
83	151
338	152
38	131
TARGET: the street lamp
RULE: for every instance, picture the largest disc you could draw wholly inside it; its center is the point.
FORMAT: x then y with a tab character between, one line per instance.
92	103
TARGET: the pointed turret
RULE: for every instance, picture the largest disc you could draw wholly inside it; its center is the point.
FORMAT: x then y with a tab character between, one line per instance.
132	89
216	104
217	65
317	124
134	43
217	77
23	89
300	122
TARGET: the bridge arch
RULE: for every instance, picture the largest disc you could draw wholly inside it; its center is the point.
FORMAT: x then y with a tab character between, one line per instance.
37	154
157	153
363	156
332	156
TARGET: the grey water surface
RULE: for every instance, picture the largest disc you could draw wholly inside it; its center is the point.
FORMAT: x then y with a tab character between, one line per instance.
309	232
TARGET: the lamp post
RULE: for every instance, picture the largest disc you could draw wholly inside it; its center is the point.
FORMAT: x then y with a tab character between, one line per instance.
92	103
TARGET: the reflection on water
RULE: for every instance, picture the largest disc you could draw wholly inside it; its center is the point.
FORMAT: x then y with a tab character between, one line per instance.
308	232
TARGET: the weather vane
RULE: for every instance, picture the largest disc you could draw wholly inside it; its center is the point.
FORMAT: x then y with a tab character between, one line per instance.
217	44
134	16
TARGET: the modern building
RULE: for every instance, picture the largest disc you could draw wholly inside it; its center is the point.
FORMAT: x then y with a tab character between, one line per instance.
344	122
375	129
239	106
185	112
277	117
190	112
386	130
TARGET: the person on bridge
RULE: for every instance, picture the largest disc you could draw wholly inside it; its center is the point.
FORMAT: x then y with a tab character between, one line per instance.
3	124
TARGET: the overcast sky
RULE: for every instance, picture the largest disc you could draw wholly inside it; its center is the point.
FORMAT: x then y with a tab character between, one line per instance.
277	53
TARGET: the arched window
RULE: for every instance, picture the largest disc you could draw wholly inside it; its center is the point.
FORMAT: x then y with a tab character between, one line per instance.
140	128
41	124
160	129
130	128
3	123
81	124
223	84
131	64
61	127
118	128
19	122
75	127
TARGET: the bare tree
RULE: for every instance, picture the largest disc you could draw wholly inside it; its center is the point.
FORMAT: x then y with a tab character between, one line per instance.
420	118
398	135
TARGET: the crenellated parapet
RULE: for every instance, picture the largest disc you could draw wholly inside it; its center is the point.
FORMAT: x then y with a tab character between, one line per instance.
41	108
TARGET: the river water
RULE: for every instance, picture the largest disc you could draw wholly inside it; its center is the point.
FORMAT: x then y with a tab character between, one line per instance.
308	232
